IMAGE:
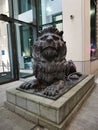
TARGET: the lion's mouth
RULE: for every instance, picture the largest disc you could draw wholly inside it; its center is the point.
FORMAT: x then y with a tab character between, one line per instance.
49	53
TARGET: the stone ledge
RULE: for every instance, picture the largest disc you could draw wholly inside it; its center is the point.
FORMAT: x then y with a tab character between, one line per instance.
67	120
49	111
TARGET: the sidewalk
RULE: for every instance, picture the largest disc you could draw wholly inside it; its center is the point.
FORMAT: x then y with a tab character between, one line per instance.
10	120
86	118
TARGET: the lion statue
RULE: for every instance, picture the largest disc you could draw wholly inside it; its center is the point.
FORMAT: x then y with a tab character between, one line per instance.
50	66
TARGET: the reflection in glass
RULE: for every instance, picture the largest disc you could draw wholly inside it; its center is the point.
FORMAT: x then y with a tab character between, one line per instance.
24	35
6	69
93	30
4	9
24	10
50	13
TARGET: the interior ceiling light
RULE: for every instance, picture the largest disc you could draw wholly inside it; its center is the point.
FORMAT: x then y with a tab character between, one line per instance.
49	9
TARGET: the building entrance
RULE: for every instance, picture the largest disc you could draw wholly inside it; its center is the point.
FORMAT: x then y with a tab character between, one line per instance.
15	49
6	63
24	43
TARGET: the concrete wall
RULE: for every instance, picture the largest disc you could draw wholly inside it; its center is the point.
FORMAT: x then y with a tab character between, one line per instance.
77	32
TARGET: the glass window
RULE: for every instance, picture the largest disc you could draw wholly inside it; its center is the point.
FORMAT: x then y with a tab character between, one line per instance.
6	64
4	9
93	30
23	10
50	13
24	5
24	36
57	21
17	36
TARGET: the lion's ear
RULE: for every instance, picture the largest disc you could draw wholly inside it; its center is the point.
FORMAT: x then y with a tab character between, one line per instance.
61	33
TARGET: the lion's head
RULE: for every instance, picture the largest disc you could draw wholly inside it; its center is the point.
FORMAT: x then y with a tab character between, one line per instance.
50	45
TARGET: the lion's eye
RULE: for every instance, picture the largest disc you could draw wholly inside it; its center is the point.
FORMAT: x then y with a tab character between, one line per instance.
44	38
55	38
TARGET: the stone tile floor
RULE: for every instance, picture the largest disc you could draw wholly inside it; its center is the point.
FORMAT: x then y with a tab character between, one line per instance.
11	121
86	118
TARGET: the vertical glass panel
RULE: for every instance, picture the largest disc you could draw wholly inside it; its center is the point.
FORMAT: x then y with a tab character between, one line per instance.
6	68
24	36
4	7
59	26
24	10
24	5
57	21
93	29
49	9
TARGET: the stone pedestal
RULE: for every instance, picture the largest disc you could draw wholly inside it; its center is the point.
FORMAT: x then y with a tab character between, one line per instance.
53	114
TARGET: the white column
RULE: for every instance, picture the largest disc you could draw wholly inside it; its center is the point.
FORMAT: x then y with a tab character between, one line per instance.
76	27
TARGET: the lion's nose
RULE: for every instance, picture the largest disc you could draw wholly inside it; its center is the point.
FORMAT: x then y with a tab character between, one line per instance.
49	38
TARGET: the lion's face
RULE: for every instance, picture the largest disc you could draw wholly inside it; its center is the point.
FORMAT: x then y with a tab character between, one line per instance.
50	46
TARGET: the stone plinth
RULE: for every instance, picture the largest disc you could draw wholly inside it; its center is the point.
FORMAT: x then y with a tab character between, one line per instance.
53	114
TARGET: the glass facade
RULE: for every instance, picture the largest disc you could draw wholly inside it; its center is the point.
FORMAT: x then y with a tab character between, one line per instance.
17	34
24	14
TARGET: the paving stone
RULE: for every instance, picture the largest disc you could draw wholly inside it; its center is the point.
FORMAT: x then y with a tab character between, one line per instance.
87	116
39	128
11	121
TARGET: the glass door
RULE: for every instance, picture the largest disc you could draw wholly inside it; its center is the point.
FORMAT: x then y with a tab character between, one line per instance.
24	36
6	64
